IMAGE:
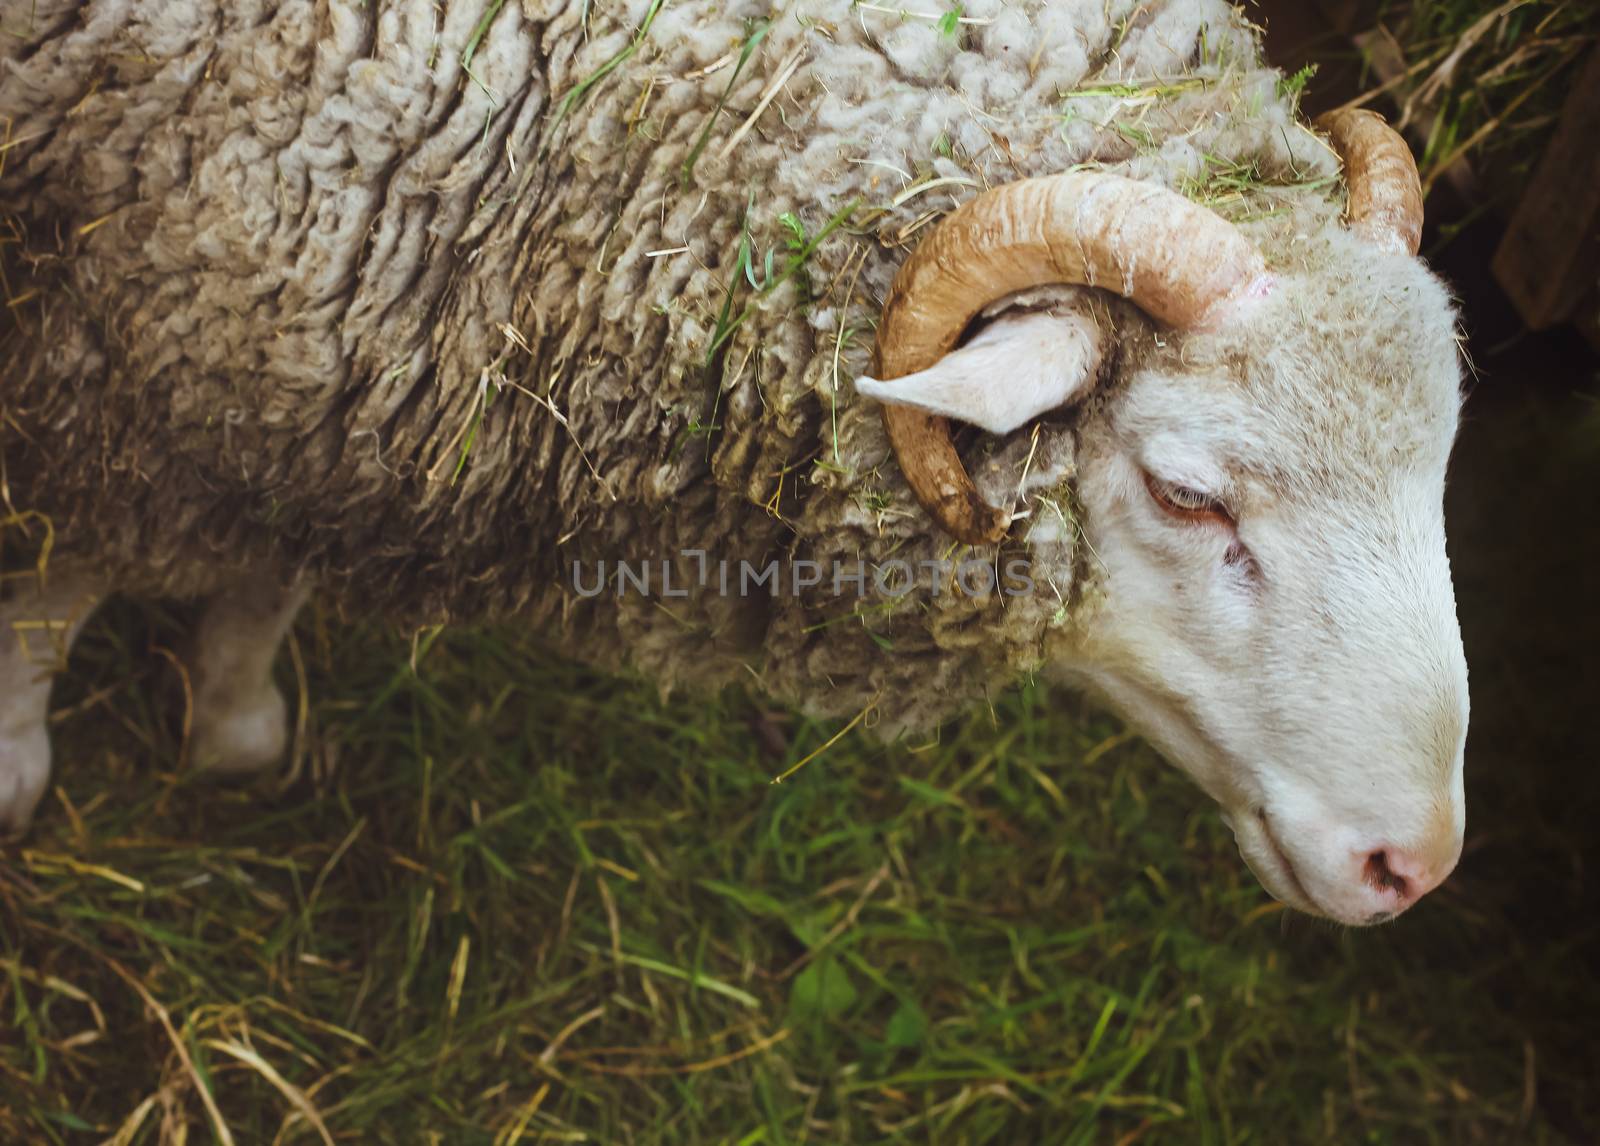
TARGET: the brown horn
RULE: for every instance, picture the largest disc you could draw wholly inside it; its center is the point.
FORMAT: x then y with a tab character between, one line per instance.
1385	193
1176	260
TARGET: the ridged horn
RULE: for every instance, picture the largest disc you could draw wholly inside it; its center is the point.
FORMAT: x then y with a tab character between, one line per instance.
1176	260
1385	192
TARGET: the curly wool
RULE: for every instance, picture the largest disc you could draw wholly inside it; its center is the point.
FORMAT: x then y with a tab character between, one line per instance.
422	300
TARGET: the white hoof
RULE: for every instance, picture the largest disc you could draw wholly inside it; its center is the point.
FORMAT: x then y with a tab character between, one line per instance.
24	775
241	734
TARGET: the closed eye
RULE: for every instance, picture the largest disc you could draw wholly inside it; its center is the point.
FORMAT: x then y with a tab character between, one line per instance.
1187	504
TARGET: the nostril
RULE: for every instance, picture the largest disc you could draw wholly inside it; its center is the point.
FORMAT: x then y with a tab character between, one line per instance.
1380	875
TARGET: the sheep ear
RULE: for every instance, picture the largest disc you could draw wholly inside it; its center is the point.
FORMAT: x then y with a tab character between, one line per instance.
1016	368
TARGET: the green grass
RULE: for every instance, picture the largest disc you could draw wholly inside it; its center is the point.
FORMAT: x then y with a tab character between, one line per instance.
1241	192
507	899
1488	78
580	91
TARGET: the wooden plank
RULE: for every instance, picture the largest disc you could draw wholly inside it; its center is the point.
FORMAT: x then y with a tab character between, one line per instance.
1549	259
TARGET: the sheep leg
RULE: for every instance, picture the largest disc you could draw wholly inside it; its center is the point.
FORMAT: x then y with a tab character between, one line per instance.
240	718
38	624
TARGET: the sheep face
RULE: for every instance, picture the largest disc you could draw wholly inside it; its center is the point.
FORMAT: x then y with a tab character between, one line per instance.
1277	615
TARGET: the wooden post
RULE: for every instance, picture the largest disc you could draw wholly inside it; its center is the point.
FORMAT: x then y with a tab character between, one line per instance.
1548	263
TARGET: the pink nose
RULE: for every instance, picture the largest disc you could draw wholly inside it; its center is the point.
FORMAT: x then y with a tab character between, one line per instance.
1395	878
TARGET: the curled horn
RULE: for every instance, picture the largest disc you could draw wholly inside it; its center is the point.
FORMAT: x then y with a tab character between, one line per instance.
1178	261
1385	193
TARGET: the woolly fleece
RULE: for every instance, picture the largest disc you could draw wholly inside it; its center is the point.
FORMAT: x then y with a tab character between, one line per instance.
313	290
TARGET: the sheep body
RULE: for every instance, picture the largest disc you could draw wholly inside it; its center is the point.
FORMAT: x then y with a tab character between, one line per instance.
374	294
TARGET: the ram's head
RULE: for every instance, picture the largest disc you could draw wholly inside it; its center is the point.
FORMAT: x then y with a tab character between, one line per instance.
1263	483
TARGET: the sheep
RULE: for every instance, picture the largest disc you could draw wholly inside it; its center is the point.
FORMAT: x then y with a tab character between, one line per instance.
569	318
